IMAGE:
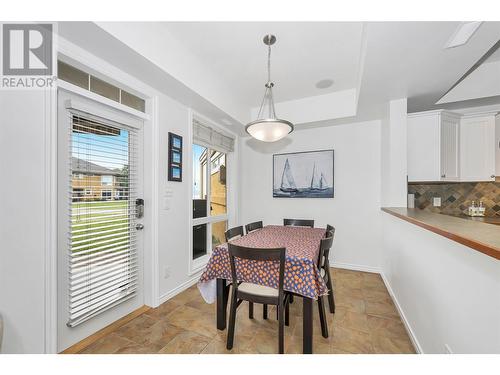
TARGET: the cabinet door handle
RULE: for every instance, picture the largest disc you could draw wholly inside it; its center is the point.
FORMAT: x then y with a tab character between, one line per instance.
443	175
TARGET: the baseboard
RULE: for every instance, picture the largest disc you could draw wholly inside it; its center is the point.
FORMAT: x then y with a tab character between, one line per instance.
181	288
355	267
86	342
407	325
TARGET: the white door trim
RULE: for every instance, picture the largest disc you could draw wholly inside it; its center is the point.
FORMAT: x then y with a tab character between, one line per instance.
50	230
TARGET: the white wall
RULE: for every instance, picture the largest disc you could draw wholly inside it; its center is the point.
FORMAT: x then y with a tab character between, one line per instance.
394	155
337	104
174	230
355	210
449	293
22	228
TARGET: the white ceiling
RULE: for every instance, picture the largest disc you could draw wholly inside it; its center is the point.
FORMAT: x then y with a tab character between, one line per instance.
407	59
305	53
386	60
481	82
223	65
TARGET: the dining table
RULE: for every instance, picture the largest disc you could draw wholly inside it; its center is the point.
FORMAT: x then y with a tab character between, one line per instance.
302	276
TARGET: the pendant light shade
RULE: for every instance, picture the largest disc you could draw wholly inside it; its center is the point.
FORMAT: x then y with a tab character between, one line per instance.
269	130
267	127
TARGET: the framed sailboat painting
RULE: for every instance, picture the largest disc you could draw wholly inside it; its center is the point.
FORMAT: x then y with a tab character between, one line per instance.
303	174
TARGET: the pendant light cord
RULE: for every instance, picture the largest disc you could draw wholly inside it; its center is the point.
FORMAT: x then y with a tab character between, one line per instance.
269	64
268	94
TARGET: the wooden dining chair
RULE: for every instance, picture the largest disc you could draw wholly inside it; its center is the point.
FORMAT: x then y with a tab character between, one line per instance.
253	226
324	249
234	233
324	267
298	223
255	293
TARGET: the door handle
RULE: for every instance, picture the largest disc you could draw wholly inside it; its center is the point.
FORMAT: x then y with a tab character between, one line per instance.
139	226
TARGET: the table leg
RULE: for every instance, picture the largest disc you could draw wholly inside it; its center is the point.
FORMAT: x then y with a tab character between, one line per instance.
222	297
307	325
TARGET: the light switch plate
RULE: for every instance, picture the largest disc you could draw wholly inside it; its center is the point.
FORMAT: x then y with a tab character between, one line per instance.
436	201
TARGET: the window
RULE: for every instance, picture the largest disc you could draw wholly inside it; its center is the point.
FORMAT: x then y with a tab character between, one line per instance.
218	192
76	194
106	180
218	230
199	181
88	191
106	194
88	82
209	190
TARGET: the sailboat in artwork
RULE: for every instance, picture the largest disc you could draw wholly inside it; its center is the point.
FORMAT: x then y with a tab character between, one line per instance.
287	180
318	182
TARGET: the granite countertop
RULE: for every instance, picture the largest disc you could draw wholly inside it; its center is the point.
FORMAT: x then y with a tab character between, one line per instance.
476	234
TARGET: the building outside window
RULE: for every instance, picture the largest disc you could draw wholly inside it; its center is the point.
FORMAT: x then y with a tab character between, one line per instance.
91	181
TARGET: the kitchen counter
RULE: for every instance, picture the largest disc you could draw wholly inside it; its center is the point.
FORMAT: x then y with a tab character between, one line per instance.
477	235
479	219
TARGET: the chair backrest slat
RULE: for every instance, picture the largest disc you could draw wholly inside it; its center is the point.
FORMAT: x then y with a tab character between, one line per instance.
324	248
253	226
233	232
258	254
298	223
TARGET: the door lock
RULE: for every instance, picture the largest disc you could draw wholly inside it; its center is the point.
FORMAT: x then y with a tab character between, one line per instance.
139	208
139	226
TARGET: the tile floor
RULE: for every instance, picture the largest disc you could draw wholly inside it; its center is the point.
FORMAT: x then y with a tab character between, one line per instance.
366	321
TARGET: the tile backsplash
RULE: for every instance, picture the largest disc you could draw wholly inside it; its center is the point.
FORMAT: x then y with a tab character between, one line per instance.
457	197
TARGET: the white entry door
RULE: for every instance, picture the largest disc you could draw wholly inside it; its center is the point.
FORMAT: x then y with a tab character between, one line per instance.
100	251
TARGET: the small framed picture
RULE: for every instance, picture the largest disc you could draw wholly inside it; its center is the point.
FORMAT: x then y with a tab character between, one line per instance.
176	172
174	157
176	141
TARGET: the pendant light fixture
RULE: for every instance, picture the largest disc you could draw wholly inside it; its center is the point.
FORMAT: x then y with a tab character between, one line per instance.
267	127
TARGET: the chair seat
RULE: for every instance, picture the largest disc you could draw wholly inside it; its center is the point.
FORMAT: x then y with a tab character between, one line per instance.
259	290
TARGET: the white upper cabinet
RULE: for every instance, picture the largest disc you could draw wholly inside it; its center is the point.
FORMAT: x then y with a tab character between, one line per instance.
446	146
477	148
450	138
433	146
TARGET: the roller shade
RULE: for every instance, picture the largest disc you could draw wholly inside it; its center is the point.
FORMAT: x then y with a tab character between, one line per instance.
207	136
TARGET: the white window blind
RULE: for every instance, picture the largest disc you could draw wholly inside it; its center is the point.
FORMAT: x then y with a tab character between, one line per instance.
207	136
103	264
